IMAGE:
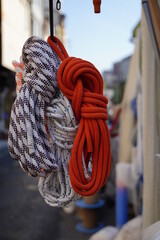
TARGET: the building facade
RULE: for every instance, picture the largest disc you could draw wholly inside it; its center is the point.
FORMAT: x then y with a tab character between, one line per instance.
19	19
37	18
116	77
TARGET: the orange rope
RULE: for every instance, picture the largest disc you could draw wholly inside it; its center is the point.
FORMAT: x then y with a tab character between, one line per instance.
82	83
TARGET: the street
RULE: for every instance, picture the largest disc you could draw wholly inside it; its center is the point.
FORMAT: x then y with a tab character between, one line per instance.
23	213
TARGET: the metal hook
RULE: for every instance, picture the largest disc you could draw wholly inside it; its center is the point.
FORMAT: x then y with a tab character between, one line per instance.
58	5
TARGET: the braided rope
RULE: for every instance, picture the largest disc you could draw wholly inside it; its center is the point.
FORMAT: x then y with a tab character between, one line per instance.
82	83
35	77
28	139
62	126
19	67
44	150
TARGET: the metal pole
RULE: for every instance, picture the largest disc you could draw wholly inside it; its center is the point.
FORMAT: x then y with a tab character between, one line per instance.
51	18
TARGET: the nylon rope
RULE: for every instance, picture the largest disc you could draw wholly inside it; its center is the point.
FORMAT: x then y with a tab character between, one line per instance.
42	150
62	126
82	83
70	159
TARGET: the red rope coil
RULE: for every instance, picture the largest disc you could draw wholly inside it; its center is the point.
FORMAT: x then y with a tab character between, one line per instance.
82	83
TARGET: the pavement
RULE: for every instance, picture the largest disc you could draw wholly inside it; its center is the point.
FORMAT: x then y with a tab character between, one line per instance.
23	213
3	145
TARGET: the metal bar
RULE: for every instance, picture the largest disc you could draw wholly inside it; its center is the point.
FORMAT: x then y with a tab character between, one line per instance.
51	19
0	32
151	28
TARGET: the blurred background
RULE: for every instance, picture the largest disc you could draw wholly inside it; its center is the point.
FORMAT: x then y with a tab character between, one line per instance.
123	42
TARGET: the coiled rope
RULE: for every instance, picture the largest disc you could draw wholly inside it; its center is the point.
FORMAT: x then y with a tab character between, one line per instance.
45	151
62	125
28	138
81	83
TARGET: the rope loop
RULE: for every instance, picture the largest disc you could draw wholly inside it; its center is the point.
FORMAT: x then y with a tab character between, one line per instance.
77	78
82	83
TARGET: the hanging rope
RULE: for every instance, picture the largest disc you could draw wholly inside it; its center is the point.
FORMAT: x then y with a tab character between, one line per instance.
28	139
44	130
60	130
81	83
62	126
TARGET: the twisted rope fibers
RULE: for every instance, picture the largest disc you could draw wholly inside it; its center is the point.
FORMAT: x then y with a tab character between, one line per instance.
62	127
81	83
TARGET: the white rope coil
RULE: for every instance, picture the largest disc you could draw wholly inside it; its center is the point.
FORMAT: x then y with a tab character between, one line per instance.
56	187
41	152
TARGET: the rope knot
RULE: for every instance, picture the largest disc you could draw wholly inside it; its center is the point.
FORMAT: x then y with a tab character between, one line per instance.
78	78
82	83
